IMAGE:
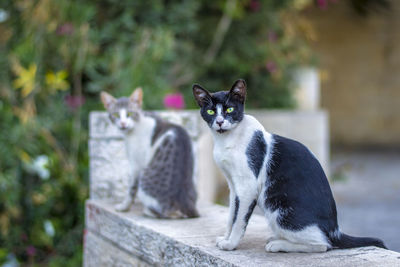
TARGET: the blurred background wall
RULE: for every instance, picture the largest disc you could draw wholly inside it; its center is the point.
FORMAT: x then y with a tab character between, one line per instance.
358	48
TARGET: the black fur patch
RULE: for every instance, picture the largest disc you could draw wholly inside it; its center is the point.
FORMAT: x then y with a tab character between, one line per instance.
226	100
298	187
346	241
237	203
255	152
250	211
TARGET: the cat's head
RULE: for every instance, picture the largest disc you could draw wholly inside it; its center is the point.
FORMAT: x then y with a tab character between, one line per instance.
124	112
222	110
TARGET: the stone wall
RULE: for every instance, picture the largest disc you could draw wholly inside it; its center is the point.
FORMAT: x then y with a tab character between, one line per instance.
360	61
108	162
130	239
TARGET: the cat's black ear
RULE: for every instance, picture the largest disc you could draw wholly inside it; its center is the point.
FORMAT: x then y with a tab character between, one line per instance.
107	99
136	97
238	90
201	95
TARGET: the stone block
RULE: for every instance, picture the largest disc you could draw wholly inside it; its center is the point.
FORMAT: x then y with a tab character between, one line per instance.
120	239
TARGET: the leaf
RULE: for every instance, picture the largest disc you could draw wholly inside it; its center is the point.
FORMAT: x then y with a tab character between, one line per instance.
26	79
57	80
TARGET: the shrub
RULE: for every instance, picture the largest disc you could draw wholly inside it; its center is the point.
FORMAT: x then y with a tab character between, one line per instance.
55	58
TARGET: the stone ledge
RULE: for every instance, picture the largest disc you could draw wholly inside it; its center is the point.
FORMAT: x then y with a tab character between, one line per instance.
129	239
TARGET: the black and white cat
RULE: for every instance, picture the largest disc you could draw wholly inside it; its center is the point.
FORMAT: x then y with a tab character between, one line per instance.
161	158
278	174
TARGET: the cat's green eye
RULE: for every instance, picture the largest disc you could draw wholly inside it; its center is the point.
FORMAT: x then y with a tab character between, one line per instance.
210	112
229	110
130	113
116	114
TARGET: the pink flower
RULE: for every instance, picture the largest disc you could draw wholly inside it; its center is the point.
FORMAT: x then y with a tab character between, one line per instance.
31	251
174	101
65	29
322	4
255	5
271	66
73	101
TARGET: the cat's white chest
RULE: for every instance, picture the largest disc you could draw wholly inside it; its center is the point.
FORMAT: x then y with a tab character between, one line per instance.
138	143
227	155
230	149
137	150
223	154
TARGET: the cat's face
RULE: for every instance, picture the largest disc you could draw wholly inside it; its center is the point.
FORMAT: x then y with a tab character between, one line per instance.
222	110
124	112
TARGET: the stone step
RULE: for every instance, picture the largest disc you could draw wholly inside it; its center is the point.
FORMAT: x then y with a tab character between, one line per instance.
130	239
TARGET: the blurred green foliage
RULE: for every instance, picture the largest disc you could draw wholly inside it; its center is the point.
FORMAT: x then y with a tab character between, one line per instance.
55	58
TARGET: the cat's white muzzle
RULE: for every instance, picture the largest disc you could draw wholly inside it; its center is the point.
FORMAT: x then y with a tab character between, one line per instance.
222	126
126	126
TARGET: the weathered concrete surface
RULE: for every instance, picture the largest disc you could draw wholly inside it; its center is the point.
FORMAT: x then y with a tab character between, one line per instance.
100	252
191	242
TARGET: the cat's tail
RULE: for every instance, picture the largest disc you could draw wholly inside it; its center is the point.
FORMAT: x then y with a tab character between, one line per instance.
347	241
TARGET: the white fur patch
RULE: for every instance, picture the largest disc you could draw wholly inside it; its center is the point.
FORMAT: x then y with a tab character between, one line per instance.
169	133
310	235
287	246
137	140
147	200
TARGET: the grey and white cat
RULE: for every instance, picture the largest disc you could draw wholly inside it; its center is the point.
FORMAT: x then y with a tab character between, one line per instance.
278	174
161	159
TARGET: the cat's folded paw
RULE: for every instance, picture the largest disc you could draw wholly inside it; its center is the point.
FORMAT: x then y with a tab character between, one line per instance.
270	247
122	206
220	238
271	238
276	246
226	245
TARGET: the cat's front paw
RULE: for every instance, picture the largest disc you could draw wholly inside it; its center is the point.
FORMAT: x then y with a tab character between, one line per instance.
226	245
124	206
